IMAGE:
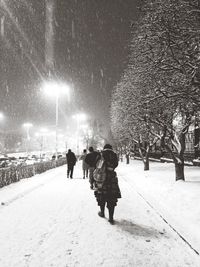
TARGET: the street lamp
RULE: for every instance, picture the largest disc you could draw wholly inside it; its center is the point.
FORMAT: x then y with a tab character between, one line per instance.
1	119
41	135
27	126
1	116
56	89
85	129
79	117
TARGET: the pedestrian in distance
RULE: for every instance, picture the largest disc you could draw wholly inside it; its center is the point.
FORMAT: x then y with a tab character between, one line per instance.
107	190
85	166
71	162
91	160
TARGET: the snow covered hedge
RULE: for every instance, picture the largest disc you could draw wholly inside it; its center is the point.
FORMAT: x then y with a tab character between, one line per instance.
15	173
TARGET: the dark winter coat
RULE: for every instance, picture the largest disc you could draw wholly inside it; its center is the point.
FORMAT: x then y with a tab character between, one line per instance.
91	158
110	190
71	158
110	158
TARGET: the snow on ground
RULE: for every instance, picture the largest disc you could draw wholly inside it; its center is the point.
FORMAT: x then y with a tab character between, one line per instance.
49	220
178	202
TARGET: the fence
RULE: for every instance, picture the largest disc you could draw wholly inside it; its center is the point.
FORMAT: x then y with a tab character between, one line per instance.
16	173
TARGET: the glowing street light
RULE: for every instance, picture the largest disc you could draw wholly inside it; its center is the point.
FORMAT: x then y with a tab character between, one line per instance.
56	89
1	116
80	117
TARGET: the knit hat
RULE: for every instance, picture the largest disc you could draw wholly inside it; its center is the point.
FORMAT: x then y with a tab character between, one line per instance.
107	146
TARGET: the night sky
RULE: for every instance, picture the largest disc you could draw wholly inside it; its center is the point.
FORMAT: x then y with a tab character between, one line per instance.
90	53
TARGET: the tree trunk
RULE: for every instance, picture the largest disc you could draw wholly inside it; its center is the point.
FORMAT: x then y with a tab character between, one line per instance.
145	159
179	170
179	160
146	164
127	159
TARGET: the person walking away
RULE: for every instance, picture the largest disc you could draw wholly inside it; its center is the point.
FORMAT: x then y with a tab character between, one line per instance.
91	159
85	166
108	192
71	161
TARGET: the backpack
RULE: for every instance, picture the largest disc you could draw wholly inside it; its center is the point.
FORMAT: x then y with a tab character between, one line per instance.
100	172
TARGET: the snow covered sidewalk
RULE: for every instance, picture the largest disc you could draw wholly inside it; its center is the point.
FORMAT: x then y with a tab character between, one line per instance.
177	202
49	220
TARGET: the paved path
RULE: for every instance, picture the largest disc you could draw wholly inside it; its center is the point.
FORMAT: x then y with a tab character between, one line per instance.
49	220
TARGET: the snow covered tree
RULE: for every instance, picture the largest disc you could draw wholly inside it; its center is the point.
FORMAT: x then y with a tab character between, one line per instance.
127	122
171	34
162	77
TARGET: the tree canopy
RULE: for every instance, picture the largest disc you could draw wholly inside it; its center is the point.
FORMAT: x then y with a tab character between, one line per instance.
161	84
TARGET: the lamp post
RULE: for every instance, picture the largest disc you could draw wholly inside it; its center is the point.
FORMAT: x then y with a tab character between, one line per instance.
1	137
27	126
57	97
56	89
79	117
41	135
85	129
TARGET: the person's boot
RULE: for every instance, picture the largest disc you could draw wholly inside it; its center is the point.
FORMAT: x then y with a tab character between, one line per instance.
111	213
101	212
91	186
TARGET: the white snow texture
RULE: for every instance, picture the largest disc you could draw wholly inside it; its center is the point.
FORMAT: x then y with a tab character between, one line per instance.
49	220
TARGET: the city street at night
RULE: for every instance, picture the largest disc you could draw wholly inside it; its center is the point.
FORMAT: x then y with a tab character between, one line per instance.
106	92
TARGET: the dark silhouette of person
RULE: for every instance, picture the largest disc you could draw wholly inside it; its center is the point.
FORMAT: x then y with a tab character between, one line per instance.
71	161
85	166
91	160
109	192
